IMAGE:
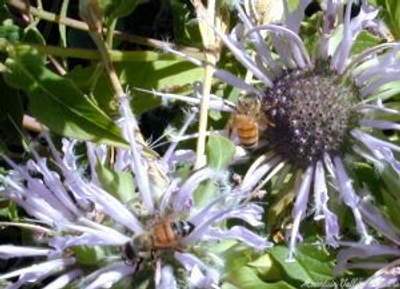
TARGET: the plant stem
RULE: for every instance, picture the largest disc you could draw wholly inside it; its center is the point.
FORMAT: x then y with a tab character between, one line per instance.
79	25
210	16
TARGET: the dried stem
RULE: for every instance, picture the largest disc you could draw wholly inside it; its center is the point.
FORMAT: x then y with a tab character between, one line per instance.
210	16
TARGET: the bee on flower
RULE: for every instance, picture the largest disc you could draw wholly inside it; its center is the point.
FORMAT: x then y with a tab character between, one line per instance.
328	104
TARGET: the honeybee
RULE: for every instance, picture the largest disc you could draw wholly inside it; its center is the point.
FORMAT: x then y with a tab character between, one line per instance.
162	235
248	121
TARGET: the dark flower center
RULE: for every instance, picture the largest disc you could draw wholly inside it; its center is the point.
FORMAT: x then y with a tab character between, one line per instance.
313	112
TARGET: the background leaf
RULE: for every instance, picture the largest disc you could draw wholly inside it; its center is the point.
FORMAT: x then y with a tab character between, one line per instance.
220	151
57	102
118	8
391	15
313	266
119	184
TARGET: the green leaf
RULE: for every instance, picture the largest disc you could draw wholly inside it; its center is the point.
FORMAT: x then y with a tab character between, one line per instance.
391	194
220	151
119	184
118	8
33	35
186	30
158	75
89	255
391	15
312	264
10	31
57	102
144	73
364	41
205	192
247	278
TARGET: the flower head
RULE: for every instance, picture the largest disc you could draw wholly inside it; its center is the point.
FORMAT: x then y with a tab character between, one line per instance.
323	106
93	239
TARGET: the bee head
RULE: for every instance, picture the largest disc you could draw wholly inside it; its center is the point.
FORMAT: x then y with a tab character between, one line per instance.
139	247
249	104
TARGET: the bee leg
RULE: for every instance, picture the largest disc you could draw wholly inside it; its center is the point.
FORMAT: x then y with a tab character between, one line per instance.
138	265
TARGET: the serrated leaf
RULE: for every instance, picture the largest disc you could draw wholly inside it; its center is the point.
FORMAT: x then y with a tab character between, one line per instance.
57	102
220	151
312	265
119	184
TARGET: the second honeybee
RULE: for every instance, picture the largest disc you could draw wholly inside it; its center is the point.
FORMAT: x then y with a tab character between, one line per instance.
248	121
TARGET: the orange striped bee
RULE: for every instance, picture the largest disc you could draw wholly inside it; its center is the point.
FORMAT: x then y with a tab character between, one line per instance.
162	235
248	121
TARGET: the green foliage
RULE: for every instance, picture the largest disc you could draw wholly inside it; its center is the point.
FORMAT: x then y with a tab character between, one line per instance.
242	271
185	29
364	41
33	35
157	75
312	265
118	8
10	32
56	101
391	15
89	256
119	184
220	151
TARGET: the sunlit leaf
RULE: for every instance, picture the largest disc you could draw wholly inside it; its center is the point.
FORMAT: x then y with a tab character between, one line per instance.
57	102
161	76
89	255
312	264
363	41
119	184
220	151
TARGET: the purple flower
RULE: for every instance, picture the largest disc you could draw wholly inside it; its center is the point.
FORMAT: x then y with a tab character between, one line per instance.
323	107
383	258
86	229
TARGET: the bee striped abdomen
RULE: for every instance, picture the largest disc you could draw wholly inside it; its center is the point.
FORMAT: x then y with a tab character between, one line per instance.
168	234
164	235
247	131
